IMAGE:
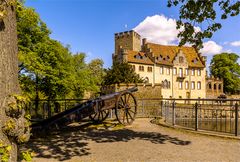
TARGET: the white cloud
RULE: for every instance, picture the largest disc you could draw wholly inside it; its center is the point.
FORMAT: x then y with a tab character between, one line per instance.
162	30
158	29
235	43
211	48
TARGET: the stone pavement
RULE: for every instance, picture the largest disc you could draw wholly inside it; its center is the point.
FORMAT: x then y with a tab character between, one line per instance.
142	141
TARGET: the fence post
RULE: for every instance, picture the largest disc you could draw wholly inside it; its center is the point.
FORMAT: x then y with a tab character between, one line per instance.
165	107
173	113
236	119
49	109
65	104
196	116
161	108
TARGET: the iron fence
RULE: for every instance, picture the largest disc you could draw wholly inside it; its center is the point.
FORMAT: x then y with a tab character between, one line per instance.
199	114
42	109
219	115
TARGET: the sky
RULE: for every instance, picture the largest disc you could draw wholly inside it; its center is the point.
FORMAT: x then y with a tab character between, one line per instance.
89	25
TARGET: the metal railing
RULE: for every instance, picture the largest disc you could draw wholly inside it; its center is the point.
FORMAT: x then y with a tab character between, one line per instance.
42	109
218	115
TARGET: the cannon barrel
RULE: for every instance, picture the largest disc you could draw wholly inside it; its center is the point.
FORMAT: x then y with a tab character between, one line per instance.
115	94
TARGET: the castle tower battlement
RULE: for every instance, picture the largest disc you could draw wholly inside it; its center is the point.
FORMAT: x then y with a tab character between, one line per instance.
129	40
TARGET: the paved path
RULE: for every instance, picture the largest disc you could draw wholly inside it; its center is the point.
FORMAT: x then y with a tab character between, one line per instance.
141	141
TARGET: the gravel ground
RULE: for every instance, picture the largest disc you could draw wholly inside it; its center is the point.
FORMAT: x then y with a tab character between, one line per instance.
142	141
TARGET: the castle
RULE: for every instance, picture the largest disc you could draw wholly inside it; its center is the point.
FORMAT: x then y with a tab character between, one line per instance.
180	70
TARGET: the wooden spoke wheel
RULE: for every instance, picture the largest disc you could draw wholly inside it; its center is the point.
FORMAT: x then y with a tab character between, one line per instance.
100	116
126	108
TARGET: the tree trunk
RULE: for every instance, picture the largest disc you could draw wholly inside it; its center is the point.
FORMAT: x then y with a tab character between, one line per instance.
8	69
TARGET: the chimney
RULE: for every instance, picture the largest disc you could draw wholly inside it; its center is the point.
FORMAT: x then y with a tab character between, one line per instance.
144	41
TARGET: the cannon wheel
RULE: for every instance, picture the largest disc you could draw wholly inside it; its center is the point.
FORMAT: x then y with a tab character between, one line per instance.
99	116
126	108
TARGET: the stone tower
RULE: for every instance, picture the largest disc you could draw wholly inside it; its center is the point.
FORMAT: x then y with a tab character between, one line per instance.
128	40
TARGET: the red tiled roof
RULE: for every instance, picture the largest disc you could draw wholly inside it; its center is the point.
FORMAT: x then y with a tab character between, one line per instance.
168	53
138	57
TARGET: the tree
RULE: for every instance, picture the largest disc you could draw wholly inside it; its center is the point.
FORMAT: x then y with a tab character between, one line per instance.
96	74
202	12
14	128
121	73
48	69
225	66
79	78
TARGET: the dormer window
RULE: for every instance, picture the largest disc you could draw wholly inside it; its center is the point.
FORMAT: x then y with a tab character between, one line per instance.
195	60
168	58
181	60
138	57
160	58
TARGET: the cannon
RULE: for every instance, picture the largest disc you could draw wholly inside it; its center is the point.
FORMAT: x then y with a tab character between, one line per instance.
124	104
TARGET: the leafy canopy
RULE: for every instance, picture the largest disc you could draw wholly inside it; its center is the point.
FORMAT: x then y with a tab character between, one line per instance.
225	66
205	13
121	73
47	68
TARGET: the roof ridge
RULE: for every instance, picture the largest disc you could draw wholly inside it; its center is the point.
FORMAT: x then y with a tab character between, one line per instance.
168	45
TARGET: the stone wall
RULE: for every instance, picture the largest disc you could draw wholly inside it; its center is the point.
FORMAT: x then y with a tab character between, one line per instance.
144	90
233	96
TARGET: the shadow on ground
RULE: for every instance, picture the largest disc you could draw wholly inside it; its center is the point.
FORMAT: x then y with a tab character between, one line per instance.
73	141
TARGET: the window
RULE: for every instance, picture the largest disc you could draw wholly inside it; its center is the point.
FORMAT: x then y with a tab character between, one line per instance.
199	72
149	69
133	67
219	86
168	71
198	85
180	59
174	71
161	70
186	71
180	85
209	86
160	58
193	85
166	84
186	85
215	86
193	72
141	68
180	72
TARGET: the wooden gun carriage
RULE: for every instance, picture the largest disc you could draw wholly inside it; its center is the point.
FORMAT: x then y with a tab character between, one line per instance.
123	103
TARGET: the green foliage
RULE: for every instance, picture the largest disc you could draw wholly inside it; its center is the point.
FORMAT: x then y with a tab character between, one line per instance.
4	152
84	77
3	7
17	125
225	66
202	13
9	126
48	69
121	73
26	155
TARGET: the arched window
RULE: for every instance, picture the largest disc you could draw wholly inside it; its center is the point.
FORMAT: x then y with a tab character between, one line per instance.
166	84
209	86
219	86
215	86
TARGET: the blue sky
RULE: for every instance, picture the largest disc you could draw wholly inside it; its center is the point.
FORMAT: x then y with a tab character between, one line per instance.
89	25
